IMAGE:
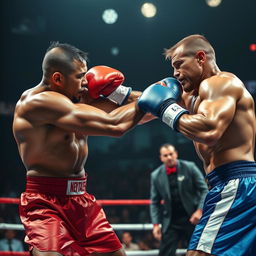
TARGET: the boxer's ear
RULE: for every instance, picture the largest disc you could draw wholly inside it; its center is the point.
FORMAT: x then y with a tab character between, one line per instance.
201	57
57	78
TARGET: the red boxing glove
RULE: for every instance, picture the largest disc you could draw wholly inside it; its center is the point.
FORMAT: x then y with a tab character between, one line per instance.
103	80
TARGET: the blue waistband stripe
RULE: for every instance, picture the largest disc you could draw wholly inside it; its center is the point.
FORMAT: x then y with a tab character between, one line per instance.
233	170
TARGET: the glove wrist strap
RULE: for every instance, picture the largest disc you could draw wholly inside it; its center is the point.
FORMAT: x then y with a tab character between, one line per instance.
172	114
120	95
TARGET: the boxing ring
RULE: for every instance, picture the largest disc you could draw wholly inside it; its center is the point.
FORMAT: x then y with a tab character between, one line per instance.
134	227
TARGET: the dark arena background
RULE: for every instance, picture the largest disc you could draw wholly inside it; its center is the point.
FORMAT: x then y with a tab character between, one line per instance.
116	33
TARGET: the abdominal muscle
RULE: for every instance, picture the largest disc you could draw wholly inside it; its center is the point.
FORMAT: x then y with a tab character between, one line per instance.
57	156
212	157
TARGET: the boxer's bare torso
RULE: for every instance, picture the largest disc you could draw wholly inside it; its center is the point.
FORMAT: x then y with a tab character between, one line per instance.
47	150
222	124
51	131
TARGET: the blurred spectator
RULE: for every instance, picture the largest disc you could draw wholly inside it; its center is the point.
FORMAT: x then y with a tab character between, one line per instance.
127	242
113	216
143	245
146	241
125	215
10	243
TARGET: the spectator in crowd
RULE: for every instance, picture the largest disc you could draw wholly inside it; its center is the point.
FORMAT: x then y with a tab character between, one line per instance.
127	242
180	185
147	241
143	245
10	243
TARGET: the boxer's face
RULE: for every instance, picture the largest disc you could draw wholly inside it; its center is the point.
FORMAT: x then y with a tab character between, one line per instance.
75	82
186	69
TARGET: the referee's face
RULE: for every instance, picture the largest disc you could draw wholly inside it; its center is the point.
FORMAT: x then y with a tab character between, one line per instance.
168	156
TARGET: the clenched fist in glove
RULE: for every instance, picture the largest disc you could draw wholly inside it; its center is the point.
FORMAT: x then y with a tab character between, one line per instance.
106	81
160	99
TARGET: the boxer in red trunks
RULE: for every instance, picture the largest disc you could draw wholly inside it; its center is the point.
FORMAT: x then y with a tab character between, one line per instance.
51	124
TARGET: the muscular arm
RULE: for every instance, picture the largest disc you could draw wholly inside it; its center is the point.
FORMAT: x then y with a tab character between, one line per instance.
216	110
108	105
56	109
134	96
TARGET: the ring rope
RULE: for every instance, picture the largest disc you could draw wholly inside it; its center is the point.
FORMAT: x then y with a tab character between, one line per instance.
128	253
6	200
146	226
14	253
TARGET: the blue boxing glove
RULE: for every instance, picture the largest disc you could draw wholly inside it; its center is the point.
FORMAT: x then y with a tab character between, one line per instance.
160	100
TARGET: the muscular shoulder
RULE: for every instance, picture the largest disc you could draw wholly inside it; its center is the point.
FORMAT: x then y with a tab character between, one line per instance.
222	84
47	99
34	105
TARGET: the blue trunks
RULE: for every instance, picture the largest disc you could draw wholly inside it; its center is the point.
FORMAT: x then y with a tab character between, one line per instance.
228	223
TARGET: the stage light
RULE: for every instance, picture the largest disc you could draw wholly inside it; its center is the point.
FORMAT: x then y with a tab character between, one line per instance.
253	47
213	3
110	16
148	10
114	51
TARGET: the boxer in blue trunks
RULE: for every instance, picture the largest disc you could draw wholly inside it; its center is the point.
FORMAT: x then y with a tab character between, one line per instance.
214	109
228	224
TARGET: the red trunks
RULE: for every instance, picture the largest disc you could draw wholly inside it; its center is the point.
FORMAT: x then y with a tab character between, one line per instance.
59	215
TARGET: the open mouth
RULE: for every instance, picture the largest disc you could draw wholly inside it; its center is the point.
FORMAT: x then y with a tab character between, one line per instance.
182	82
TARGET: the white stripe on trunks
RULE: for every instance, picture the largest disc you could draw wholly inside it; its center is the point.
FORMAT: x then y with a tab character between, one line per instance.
216	219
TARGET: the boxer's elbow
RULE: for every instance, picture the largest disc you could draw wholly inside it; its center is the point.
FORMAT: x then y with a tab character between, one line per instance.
211	132
211	137
116	130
